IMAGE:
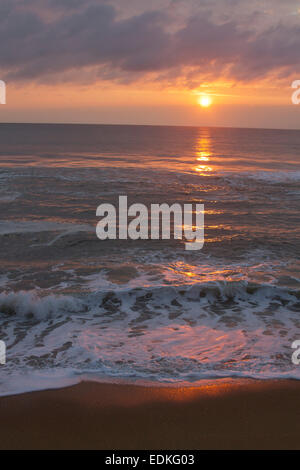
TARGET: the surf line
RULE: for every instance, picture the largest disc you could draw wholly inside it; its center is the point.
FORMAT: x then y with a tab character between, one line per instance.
153	224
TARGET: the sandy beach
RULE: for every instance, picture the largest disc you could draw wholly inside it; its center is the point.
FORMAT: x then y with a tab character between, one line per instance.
232	415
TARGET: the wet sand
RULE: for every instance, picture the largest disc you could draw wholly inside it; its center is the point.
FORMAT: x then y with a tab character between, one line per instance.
255	415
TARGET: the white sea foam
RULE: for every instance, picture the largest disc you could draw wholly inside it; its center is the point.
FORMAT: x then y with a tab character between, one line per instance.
30	304
269	176
163	334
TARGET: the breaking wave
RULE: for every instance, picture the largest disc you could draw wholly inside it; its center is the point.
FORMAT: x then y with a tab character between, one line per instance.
163	334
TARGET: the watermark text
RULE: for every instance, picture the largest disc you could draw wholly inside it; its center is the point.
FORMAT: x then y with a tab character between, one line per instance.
2	353
296	93
136	222
2	92
296	354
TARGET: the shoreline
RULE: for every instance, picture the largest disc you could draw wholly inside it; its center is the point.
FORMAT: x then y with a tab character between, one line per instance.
229	415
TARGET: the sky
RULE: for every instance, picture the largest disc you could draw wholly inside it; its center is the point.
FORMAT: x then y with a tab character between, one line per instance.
150	62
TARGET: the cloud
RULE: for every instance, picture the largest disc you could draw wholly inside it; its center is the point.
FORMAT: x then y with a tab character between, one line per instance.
55	39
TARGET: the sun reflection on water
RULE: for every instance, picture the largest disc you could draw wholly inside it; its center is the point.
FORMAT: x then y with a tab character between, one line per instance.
203	154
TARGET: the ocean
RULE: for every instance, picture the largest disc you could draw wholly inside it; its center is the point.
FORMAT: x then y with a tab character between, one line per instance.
73	307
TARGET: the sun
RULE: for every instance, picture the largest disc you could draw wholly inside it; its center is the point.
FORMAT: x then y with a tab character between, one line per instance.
205	101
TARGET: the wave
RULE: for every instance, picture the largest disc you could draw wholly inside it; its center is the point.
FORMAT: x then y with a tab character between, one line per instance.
267	176
11	227
163	335
9	197
32	304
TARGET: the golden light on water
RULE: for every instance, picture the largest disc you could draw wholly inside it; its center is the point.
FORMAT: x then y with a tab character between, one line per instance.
203	169
203	154
204	157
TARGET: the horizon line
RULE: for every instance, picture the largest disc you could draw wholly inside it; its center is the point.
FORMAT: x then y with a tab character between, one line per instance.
146	125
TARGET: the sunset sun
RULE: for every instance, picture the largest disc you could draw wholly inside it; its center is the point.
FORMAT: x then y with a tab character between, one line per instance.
205	101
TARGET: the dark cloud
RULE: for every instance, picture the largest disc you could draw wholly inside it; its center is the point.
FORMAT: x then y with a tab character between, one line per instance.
56	37
277	49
